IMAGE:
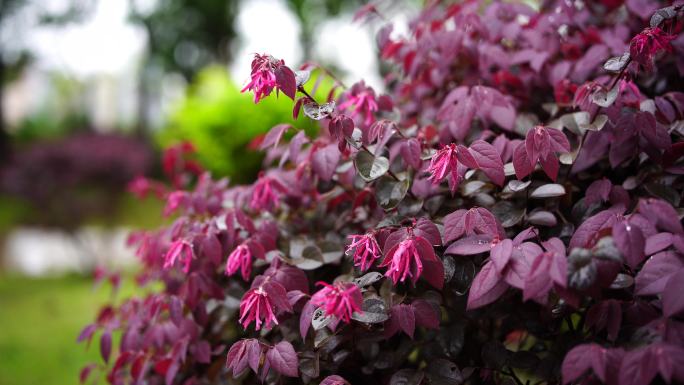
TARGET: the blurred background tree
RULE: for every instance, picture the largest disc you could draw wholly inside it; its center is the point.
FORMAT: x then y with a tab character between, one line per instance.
311	13
14	56
183	36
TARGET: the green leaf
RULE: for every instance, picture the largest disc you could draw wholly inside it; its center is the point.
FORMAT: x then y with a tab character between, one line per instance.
370	167
389	192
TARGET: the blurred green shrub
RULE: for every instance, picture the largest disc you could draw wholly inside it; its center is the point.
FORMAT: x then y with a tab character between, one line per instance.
220	122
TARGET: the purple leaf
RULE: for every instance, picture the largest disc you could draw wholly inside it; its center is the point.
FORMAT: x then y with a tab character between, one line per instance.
305	318
630	241
588	230
488	160
558	140
237	359
324	161
283	358
433	268
334	380
176	310
426	315
582	358
538	282
658	242
550	166
253	351
463	115
673	300
662	214
410	151
605	315
274	135
501	254
428	230
87	333
286	81
404	315
656	272
341	126
85	373
486	288
473	244
638	367
106	345
521	162
598	191
296	144
277	294
454	226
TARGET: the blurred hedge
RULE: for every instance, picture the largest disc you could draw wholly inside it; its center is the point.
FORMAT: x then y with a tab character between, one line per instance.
220	122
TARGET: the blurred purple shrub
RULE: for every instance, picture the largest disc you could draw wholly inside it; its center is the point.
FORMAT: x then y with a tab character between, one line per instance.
68	180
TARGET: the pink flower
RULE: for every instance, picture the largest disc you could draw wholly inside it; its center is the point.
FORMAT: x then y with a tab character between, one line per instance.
180	250
266	193
403	261
649	43
366	250
445	163
175	200
263	78
240	258
340	300
256	306
362	101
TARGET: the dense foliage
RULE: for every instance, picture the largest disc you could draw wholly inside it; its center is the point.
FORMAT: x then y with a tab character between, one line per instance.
507	214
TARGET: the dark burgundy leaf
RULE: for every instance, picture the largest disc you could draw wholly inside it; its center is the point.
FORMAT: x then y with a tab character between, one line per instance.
428	230
582	358
605	315
426	315
658	242
662	214
521	162
673	300
283	358
411	153
639	366
87	333
253	350
487	287
630	241
85	373
488	160
589	229
286	81
106	345
473	244
433	268
334	380
598	191
656	272
405	317
500	254
324	161
274	135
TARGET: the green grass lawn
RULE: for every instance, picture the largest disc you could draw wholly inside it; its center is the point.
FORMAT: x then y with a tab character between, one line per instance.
39	322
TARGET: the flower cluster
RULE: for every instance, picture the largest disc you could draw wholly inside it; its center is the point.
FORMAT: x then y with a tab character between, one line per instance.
555	256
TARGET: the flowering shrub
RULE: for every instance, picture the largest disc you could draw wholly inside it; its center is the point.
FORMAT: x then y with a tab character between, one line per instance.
506	214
